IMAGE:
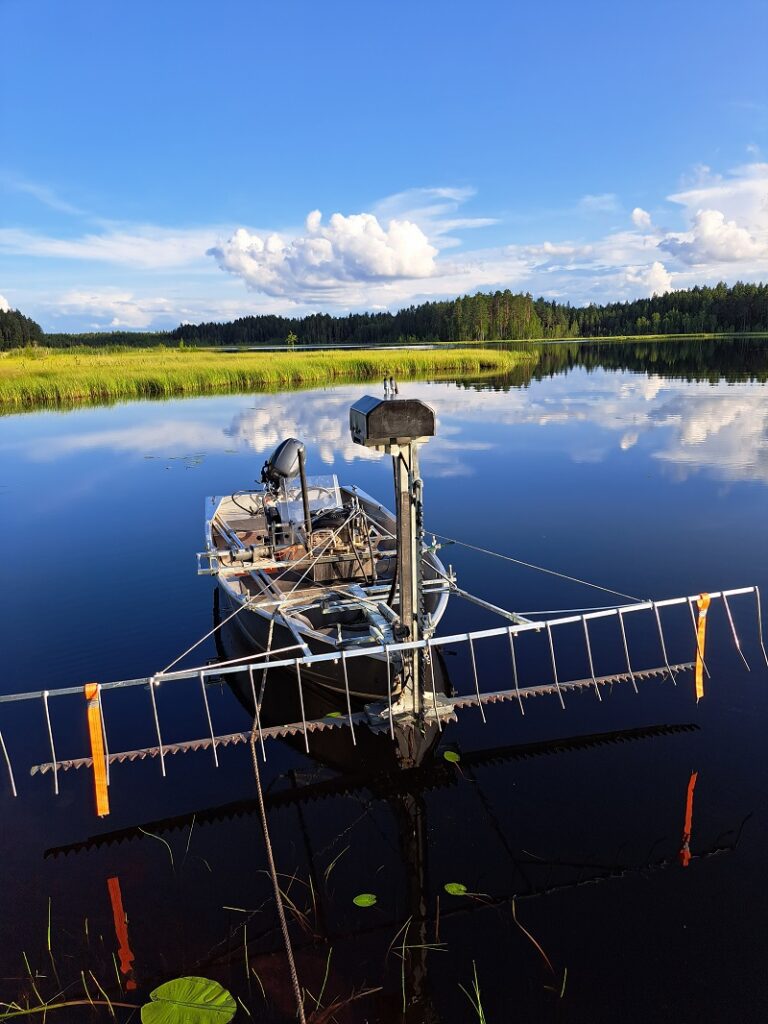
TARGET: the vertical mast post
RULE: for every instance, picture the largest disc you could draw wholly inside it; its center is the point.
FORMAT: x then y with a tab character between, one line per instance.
409	573
397	426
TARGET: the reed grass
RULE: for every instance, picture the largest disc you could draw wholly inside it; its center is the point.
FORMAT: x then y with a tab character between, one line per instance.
40	378
473	996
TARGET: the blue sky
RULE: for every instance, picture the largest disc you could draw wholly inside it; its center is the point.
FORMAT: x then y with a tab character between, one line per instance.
165	162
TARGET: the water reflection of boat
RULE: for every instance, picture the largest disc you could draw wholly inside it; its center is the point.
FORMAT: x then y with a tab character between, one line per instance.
310	567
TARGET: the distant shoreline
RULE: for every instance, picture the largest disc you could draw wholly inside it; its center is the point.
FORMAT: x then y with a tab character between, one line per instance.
409	346
45	378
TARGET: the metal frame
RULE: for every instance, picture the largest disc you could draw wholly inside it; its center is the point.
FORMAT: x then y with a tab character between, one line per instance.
383	717
385	649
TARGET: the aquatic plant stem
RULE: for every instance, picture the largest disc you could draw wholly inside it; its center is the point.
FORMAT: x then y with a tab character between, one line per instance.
474	995
276	885
525	932
45	1007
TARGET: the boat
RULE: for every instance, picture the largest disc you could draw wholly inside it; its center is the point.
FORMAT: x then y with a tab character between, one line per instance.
308	566
280	704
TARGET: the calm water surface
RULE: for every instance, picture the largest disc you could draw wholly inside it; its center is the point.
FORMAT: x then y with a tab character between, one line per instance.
651	482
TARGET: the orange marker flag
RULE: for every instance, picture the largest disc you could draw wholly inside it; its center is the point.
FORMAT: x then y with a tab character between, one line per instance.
96	734
685	848
701	634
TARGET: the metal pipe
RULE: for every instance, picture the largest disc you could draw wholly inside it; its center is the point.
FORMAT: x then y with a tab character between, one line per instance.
256	716
554	667
626	651
208	716
8	764
406	469
474	672
389	692
103	730
663	644
305	499
152	685
301	705
50	737
514	669
733	631
363	652
512	616
760	624
434	687
591	663
349	700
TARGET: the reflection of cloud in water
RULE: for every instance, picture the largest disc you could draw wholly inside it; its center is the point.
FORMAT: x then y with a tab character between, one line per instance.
721	427
161	437
321	418
728	433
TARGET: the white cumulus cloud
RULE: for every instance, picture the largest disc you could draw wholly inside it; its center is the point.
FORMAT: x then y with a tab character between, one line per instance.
742	194
119	308
4	304
712	238
406	248
654	279
348	249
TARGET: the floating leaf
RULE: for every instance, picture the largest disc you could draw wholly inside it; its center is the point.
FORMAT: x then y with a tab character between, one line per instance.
189	1001
455	888
452	756
365	899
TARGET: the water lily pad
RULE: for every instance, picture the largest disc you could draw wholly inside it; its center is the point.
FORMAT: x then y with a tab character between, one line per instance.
452	756
189	1001
365	899
455	888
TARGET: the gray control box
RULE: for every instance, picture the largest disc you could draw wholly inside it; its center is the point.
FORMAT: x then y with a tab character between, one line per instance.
374	422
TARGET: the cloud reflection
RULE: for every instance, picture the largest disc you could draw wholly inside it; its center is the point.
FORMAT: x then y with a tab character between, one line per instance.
721	428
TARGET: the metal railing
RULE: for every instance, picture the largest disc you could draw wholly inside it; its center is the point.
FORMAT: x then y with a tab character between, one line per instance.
385	716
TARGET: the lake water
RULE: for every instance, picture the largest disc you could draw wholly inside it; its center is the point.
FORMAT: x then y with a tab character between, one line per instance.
642	468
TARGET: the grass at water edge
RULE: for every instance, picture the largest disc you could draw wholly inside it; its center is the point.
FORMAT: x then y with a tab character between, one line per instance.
49	378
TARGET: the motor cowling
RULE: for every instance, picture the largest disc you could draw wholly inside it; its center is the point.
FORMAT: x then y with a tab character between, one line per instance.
282	464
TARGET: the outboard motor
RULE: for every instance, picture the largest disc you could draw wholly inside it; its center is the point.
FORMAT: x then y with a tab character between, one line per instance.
285	462
282	464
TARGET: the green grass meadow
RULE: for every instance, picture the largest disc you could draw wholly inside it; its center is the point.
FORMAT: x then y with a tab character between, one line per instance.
37	378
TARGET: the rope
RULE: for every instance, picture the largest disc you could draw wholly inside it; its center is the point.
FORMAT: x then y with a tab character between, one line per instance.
276	884
202	638
530	565
568	611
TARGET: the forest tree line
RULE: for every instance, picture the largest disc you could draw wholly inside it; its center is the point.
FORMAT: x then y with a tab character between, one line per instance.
17	330
504	315
485	316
